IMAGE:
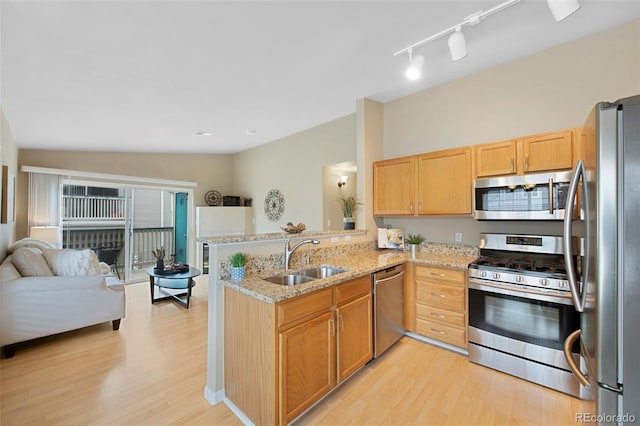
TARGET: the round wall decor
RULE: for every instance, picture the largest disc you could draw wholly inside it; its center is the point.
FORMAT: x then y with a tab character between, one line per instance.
213	198
274	205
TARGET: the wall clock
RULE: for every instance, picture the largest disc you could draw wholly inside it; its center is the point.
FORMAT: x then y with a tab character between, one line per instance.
213	198
274	205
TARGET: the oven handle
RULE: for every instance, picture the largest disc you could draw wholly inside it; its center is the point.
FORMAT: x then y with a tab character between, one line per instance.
568	355
546	296
578	295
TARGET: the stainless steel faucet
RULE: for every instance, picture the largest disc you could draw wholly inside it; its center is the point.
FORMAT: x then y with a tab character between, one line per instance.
289	251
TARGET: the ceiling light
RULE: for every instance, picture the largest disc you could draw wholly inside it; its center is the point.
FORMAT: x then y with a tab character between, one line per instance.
343	181
560	9
414	70
457	45
251	132
203	134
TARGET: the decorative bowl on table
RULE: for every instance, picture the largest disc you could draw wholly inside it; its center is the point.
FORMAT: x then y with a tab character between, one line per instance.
294	229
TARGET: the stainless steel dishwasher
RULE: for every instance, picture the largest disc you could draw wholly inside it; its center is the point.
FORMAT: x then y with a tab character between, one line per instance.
388	308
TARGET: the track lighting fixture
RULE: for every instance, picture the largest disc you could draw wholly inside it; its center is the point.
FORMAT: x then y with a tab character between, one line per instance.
457	44
414	71
560	9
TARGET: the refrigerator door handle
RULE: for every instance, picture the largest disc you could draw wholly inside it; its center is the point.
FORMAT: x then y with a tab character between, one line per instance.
578	295
568	355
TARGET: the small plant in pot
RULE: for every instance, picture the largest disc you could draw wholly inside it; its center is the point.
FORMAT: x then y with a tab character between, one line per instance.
414	240
348	205
237	262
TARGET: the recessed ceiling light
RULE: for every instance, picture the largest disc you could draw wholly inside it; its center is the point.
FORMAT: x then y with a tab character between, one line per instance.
252	132
203	134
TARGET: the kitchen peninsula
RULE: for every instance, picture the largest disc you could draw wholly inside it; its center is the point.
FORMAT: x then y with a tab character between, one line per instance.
251	320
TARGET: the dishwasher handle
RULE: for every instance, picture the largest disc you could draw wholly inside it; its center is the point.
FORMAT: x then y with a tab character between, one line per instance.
393	277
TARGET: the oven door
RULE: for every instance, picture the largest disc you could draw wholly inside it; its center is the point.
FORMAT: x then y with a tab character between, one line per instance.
532	324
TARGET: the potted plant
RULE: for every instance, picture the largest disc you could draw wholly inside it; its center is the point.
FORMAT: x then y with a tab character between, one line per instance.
414	240
348	205
237	262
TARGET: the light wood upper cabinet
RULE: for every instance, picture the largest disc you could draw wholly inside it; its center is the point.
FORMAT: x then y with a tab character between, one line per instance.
394	187
549	151
530	154
493	159
444	182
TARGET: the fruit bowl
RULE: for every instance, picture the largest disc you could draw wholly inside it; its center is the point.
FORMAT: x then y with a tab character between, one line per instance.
294	229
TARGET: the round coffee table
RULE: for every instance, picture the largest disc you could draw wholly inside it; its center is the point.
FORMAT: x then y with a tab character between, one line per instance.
168	282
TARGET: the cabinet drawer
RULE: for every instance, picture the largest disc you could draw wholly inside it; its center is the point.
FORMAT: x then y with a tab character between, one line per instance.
440	295
430	313
434	273
456	336
353	289
297	308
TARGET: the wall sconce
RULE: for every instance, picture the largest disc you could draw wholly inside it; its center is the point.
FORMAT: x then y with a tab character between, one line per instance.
343	181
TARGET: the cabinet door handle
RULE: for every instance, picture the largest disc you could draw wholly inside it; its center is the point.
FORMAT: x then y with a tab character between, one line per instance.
410	207
512	164
341	322
433	314
419	207
438	275
526	162
438	295
438	331
333	326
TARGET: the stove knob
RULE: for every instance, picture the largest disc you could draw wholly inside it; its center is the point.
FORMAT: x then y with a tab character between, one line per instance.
562	284
543	282
483	274
496	276
519	279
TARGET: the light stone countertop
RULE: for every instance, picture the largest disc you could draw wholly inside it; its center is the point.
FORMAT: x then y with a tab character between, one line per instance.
358	265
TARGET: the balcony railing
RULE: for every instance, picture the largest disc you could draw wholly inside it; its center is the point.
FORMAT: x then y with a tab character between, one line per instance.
93	209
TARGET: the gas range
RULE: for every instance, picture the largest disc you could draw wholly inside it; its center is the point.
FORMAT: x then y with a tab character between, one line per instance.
523	260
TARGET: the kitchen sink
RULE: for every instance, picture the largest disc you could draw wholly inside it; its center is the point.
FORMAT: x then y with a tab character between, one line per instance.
288	279
321	271
305	275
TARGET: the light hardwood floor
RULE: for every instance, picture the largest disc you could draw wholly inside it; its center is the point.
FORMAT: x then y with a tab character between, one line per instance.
153	372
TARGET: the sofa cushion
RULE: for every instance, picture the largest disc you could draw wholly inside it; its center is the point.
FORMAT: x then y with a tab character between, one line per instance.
30	263
70	262
29	242
8	271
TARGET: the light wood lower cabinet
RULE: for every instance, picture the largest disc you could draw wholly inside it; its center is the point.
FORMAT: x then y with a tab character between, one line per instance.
441	304
289	355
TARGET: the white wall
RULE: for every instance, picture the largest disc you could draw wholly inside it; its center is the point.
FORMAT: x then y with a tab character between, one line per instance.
294	165
8	157
547	91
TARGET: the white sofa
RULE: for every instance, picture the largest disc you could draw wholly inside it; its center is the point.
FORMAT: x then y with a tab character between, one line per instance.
44	291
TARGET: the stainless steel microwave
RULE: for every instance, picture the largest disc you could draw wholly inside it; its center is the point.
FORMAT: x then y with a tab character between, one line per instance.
539	196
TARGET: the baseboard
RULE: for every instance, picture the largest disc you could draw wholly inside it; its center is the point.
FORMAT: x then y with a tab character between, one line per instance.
212	397
238	412
437	343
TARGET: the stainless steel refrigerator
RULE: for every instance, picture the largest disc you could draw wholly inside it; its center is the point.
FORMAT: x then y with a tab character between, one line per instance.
605	279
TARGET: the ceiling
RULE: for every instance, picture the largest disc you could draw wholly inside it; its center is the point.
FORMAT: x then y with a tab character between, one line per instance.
136	76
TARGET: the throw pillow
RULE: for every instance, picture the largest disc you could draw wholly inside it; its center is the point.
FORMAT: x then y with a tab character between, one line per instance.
30	263
71	262
8	272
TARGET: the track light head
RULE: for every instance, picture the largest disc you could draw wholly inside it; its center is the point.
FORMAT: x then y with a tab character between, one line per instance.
560	9
414	71
457	45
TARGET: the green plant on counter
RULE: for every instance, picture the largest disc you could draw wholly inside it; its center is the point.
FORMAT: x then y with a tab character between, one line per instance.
348	205
414	239
238	260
